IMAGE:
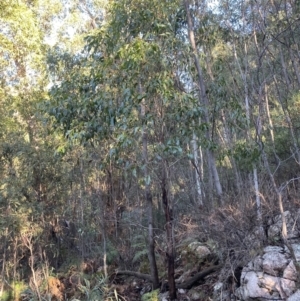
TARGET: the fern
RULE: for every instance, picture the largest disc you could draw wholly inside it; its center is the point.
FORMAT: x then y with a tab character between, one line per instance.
93	292
139	242
139	254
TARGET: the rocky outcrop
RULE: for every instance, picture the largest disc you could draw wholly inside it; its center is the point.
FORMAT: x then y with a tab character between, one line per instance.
271	276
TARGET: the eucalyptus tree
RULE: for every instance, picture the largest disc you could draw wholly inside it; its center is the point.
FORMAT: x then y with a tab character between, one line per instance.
22	66
125	92
33	180
21	71
203	98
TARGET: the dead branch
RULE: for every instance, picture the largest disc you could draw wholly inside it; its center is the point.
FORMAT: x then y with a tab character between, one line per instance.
199	276
135	274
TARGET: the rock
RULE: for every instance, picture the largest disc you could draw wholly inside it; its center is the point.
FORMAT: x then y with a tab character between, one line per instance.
271	275
279	285
288	286
250	287
257	263
294	297
274	261
296	248
290	272
200	250
268	277
273	249
218	286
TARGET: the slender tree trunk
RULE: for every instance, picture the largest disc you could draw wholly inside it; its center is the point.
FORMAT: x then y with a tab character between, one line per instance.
247	110
257	195
203	99
259	128
270	124
169	230
210	187
227	140
148	196
225	131
201	169
81	201
284	69
197	172
103	227
3	262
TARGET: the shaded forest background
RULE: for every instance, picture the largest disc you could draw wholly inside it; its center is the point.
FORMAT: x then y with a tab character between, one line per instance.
130	126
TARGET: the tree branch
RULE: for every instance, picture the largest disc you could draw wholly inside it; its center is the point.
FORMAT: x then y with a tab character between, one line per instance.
199	276
135	274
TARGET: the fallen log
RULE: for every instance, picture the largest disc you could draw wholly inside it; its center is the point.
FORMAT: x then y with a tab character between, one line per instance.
135	274
199	276
184	285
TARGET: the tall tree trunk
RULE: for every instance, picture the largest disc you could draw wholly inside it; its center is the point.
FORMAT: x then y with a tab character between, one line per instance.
203	99
149	202
4	258
169	230
270	123
225	137
284	69
247	111
82	201
197	172
102	204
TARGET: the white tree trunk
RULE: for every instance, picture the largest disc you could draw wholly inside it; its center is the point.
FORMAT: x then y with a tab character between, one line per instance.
197	172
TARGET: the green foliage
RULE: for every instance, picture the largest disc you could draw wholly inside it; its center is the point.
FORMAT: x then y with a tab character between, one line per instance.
112	254
93	292
152	296
246	155
140	246
84	83
97	289
14	292
140	255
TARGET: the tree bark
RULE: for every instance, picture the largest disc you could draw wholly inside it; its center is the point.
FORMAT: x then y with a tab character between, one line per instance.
199	276
197	173
102	226
169	230
284	69
136	274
